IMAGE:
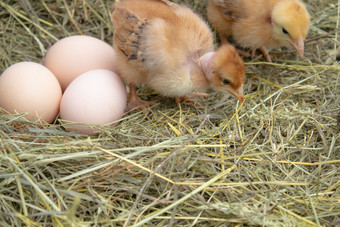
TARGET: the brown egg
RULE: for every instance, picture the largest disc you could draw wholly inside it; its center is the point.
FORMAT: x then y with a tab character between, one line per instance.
74	55
30	87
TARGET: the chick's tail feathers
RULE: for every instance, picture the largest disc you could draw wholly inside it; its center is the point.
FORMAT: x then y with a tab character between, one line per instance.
128	29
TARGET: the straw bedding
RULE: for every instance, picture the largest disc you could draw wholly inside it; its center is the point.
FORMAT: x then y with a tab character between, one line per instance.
272	161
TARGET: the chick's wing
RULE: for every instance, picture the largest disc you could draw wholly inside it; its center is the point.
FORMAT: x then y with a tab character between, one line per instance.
128	29
231	9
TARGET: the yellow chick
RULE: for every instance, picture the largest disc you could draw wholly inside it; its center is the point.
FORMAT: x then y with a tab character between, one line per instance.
263	24
169	48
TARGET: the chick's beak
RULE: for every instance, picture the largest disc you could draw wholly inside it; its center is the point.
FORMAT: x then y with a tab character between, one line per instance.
238	94
241	98
299	46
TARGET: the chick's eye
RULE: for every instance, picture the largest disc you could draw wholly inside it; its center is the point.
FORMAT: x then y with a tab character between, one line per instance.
285	31
226	82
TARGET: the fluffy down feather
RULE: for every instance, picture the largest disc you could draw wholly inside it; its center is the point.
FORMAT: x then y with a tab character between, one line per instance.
264	24
169	48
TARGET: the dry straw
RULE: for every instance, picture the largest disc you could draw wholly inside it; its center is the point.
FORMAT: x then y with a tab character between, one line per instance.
273	161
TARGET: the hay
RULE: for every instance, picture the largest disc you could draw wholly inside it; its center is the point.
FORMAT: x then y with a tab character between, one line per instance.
274	161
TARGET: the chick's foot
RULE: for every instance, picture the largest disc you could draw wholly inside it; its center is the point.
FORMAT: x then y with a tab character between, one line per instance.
134	102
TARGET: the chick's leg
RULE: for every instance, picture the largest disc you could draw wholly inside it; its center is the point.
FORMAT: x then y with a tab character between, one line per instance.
265	54
134	102
243	53
223	38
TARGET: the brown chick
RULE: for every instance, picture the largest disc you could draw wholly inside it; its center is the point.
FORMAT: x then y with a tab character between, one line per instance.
264	24
170	49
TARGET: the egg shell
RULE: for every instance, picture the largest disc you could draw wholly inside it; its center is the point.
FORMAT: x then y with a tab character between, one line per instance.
30	87
95	97
74	55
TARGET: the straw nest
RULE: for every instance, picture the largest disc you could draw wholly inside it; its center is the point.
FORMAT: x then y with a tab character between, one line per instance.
273	161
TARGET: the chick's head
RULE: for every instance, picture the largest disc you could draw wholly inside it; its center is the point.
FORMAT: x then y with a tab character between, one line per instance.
290	21
227	71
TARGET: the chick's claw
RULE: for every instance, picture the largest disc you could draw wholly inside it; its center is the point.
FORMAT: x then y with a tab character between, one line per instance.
135	102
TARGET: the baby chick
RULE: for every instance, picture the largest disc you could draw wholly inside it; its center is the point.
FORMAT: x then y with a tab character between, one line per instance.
169	48
264	24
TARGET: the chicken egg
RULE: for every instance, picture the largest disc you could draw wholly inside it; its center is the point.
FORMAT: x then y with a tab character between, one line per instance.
30	87
96	97
74	55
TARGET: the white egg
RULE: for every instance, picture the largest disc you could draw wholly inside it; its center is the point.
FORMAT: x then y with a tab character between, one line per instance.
95	97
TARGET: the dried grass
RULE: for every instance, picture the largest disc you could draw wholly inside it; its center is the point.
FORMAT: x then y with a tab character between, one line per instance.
274	161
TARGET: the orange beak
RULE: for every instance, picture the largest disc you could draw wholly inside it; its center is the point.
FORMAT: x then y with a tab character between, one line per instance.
241	98
299	46
238	94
